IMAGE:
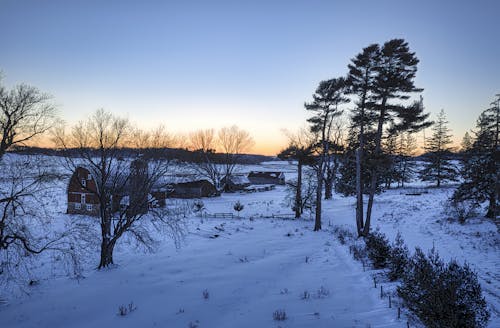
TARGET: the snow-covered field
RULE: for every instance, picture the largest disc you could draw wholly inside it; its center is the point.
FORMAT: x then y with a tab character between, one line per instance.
253	268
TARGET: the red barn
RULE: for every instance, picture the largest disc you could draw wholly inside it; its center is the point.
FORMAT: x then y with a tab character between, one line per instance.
82	197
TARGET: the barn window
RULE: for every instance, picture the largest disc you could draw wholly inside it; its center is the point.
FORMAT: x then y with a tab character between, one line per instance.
78	206
84	183
89	207
82	199
89	176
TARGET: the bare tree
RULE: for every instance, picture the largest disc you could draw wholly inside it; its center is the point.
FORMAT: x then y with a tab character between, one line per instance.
25	113
97	143
203	143
26	225
233	142
219	153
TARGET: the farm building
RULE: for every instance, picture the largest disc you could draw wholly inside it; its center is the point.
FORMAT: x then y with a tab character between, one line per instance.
134	190
266	178
235	182
82	193
192	189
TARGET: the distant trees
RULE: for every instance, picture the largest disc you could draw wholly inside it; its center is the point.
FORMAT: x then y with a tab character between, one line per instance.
97	142
439	168
25	113
325	107
219	153
481	164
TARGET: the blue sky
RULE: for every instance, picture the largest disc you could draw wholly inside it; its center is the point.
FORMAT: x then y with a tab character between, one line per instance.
200	64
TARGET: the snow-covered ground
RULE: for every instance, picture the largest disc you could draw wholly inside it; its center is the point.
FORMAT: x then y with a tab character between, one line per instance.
254	267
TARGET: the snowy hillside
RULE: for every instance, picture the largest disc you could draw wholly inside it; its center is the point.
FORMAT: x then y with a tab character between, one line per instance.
238	272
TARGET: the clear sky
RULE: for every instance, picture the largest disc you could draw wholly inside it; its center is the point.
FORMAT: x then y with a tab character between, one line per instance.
200	64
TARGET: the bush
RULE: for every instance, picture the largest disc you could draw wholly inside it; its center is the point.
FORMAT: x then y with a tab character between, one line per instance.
378	249
279	315
461	210
123	310
198	206
398	259
343	235
358	252
443	295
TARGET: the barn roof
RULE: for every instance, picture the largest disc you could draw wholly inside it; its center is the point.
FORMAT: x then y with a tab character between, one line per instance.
273	175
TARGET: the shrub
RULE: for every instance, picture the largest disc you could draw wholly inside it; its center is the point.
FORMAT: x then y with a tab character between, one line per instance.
461	210
378	249
198	206
238	207
305	295
279	315
398	259
443	295
123	310
343	235
358	252
322	292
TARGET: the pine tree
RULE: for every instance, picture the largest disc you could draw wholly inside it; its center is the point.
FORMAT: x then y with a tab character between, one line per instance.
466	142
325	108
394	80
439	167
361	81
481	167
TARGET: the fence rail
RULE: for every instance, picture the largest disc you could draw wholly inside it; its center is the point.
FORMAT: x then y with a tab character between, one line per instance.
219	215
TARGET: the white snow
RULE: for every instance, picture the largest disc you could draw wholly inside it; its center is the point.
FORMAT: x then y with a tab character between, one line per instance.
253	268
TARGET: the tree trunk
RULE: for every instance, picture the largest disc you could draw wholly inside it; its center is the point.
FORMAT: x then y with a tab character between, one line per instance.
317	221
492	206
373	188
107	248
359	194
107	243
298	192
329	186
373	185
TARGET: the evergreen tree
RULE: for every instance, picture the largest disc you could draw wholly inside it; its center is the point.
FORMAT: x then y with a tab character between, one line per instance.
481	167
394	80
346	181
466	142
439	167
361	80
325	108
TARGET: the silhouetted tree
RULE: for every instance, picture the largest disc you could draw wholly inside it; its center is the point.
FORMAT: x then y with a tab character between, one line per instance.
97	142
301	149
481	167
361	79
439	167
328	97
394	80
25	113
